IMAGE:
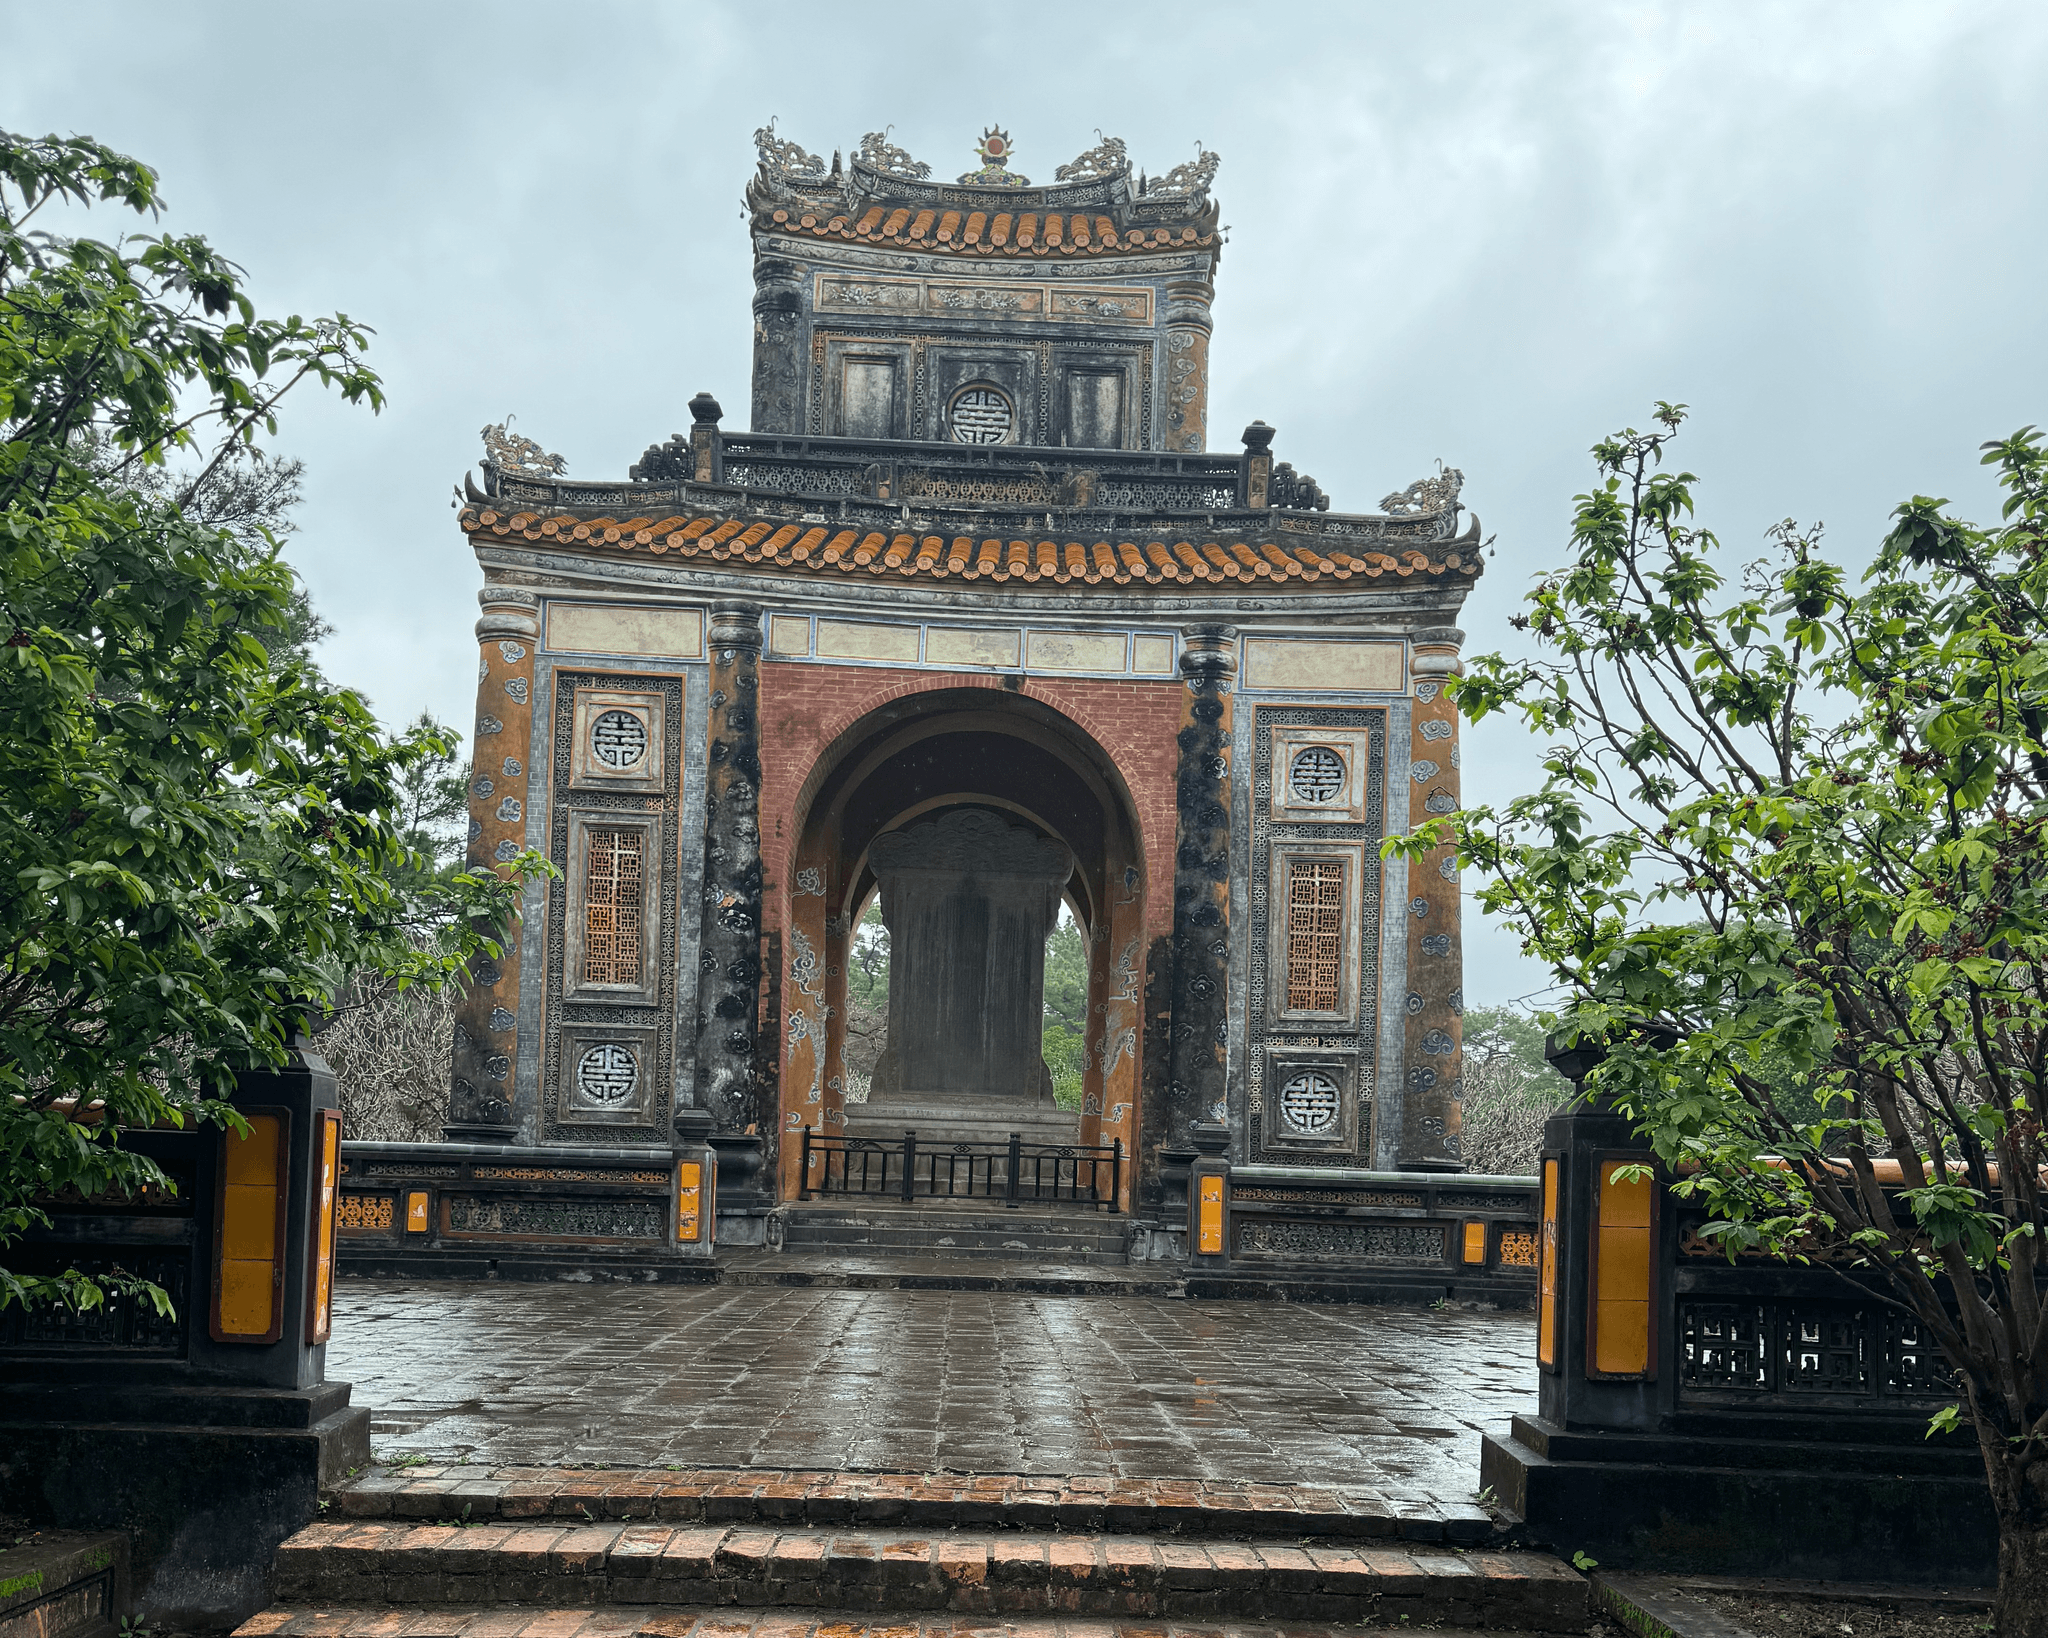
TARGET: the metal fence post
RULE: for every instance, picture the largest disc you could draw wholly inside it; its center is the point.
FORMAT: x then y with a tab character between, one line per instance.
909	1165
1016	1165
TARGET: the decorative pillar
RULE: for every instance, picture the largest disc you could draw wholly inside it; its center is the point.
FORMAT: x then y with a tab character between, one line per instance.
838	952
486	1021
1123	1012
1201	885
707	445
1255	466
729	976
806	1015
1187	363
1433	1041
778	346
1094	1028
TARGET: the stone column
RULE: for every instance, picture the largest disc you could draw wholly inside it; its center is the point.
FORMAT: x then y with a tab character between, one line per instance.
806	1011
1187	363
778	346
1094	1031
1201	885
1255	467
707	446
1123	1013
486	1021
729	962
1432	1046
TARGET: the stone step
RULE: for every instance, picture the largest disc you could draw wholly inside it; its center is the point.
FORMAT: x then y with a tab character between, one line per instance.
659	1621
1020	1240
922	1501
947	1214
621	1565
850	1268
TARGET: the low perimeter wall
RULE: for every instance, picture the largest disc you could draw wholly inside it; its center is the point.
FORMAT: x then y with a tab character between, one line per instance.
487	1211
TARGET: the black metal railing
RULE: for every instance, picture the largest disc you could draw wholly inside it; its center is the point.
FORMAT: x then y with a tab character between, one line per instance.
1012	1172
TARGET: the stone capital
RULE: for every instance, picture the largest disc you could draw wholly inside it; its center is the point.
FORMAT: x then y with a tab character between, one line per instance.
1208	655
736	626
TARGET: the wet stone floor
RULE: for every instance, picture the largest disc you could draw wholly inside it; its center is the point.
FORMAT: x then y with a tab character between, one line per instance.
1387	1398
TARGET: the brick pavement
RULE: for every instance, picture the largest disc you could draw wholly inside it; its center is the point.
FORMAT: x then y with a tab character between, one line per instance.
1382	1399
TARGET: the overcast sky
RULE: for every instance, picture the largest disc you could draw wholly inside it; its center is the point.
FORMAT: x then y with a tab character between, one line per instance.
1486	233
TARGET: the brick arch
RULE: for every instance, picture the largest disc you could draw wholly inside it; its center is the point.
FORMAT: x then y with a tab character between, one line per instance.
807	712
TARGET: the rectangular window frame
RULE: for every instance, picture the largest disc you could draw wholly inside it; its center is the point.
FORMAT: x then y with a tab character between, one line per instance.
1286	855
646	992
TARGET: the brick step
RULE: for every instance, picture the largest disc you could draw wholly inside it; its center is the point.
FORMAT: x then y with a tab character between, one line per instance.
597	1566
659	1621
920	1501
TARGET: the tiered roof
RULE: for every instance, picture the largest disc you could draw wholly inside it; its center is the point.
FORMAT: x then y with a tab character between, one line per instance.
1097	207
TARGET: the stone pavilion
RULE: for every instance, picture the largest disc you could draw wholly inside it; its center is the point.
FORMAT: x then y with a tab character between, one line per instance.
971	620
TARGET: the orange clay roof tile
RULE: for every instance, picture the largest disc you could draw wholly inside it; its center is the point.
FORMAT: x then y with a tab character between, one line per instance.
815	551
978	233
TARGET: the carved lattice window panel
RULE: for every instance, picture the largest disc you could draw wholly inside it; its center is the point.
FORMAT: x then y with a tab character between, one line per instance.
607	1074
1317	775
618	740
982	415
611	907
1310	1102
1315	935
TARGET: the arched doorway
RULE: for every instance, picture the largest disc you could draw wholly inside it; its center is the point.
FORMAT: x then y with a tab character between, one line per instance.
997	772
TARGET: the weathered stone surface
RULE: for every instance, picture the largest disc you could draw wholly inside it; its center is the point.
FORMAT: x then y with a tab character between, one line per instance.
1389	1402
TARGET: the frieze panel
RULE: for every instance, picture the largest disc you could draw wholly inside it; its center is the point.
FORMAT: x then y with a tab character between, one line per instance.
1368	1242
561	1219
1123	305
561	1174
1521	1203
1331	1197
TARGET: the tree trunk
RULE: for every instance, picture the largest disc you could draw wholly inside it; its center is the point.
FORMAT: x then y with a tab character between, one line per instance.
2021	1499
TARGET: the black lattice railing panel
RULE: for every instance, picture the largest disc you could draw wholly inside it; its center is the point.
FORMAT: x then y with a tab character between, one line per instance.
1723	1345
1315	935
612	907
1806	1351
1826	1351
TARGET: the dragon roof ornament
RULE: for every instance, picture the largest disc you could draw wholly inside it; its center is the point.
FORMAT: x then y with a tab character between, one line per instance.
1189	181
508	451
1426	495
1107	158
785	158
879	153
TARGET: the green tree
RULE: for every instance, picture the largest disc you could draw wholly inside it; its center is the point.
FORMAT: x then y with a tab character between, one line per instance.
1509	1091
1787	864
1065	1044
199	837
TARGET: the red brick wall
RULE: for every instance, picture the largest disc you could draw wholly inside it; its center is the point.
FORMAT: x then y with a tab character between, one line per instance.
804	708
